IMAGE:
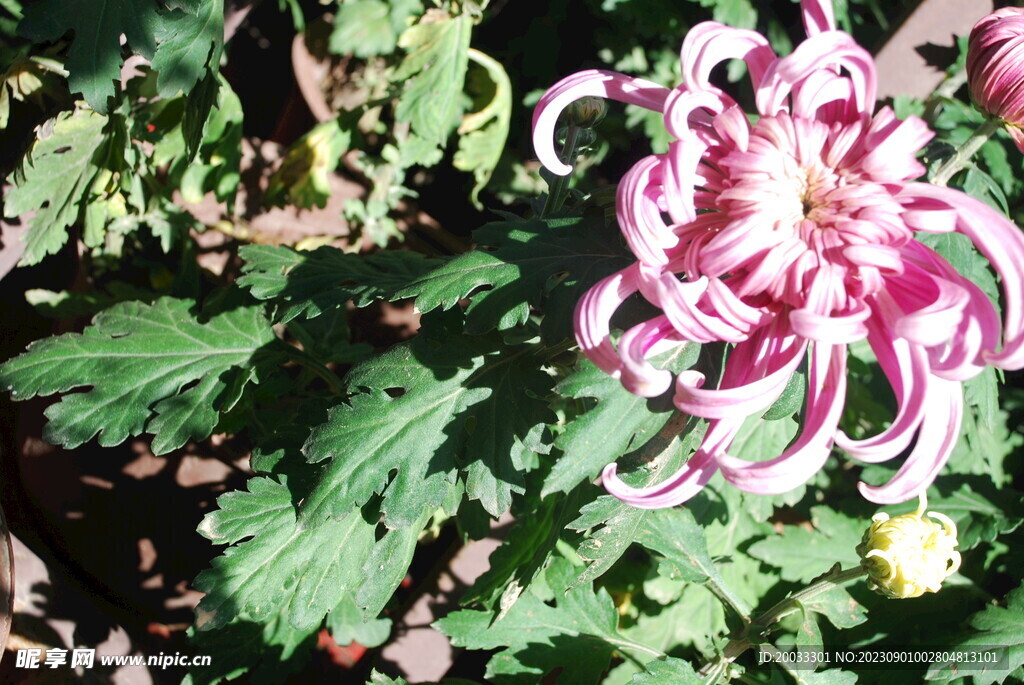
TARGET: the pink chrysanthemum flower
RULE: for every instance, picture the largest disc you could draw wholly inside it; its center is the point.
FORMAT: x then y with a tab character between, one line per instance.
995	68
792	237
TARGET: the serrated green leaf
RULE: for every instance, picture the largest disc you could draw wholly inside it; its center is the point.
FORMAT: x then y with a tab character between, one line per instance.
618	423
367	28
578	636
482	133
433	72
189	45
802	555
139	360
94	58
462	400
667	671
524	553
842	610
832	676
269	653
297	572
620	524
377	678
517	269
310	283
347	625
980	516
993	626
675	534
54	181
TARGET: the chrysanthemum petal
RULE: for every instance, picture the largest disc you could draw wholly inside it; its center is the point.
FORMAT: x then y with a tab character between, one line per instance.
1003	244
795	466
639	376
906	367
936	439
590	83
639	216
818	16
820	51
768	361
709	44
593	318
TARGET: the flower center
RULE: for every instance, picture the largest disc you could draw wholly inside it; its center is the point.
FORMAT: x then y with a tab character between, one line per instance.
782	178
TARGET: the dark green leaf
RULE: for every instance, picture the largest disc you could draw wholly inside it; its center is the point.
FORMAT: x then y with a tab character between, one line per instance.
802	555
189	46
517	269
993	626
620	422
665	671
310	283
578	636
140	361
281	568
461	402
94	58
620	523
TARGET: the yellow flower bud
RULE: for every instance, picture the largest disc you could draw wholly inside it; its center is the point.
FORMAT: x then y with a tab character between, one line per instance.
908	555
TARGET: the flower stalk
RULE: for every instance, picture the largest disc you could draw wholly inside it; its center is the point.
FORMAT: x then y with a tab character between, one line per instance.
963	155
754	631
558	186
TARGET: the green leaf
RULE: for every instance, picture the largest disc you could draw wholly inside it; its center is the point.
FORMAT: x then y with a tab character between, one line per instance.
666	671
842	610
433	73
523	259
980	516
620	523
675	534
309	283
482	133
578	636
618	423
270	652
141	361
790	401
347	625
960	252
296	572
377	678
461	402
993	626
94	58
189	45
832	676
367	28
524	553
54	181
802	555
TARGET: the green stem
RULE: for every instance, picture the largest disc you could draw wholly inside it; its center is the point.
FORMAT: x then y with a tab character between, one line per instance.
558	188
755	628
963	155
636	646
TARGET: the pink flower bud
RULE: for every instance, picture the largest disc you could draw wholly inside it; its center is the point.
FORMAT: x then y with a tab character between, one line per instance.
995	68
